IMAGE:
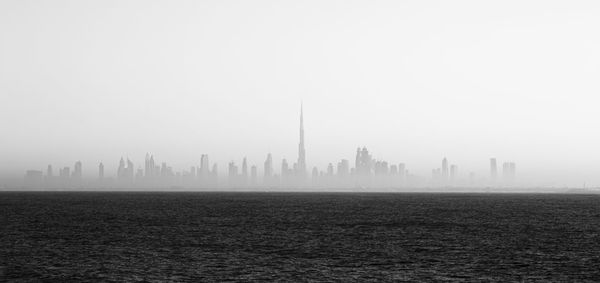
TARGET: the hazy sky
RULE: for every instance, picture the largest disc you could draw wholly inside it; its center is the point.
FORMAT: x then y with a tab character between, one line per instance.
414	81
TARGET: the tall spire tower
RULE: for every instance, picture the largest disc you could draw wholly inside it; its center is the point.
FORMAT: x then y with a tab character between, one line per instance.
301	152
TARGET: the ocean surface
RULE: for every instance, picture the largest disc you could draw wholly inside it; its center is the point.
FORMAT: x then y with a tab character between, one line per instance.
163	237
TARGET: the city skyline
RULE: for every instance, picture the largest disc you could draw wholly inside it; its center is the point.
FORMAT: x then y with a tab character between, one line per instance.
321	141
414	82
367	173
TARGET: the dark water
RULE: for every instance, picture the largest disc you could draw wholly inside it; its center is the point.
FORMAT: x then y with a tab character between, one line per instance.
298	237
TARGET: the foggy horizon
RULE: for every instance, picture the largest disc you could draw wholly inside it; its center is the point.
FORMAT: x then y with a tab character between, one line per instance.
413	82
367	174
299	141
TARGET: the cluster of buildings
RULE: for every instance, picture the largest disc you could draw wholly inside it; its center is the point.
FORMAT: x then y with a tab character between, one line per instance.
366	172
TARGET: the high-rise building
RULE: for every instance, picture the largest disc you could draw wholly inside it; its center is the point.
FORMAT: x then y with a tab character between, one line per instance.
284	168
204	166
268	167
444	169
343	168
121	169
77	171
384	169
330	170
232	169
215	171
301	164
453	172
49	172
402	170
150	166
357	161
125	173
65	173
244	169
393	169
253	174
130	169
493	169
509	171
363	162
101	171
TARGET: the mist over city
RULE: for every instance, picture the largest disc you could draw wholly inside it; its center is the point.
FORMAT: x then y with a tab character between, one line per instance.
299	141
413	84
366	174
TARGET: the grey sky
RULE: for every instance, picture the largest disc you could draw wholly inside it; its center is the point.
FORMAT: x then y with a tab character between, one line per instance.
414	81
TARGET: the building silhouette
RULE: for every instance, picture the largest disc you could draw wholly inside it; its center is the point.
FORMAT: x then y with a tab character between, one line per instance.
64	173
268	167
121	169
49	172
509	171
244	177
253	175
343	168
363	162
77	171
366	173
215	172
233	174
204	166
285	169
101	171
493	169
444	175
453	172
301	164
402	171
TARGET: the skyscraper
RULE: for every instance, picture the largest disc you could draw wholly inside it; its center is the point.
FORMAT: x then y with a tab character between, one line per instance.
301	164
343	168
215	172
330	170
204	169
149	165
402	170
363	162
453	171
121	169
508	171
444	169
77	172
268	167
233	173
101	171
65	173
493	169
232	169
129	170
284	168
253	174
49	172
244	171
